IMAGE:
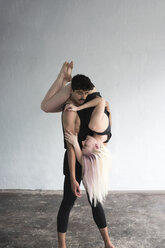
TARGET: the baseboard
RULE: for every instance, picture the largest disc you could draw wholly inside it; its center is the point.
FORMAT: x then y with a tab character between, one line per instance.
59	192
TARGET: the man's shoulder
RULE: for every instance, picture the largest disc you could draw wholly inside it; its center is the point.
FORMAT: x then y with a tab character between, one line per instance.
69	116
69	120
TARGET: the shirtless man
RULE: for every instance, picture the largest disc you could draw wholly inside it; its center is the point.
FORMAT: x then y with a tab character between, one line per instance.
53	102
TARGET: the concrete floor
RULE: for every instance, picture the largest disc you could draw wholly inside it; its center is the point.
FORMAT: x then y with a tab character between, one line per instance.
28	219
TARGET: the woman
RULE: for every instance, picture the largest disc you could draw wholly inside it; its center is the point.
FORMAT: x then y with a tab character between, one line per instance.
95	158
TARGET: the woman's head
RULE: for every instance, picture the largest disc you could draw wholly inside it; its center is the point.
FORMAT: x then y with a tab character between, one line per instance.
90	145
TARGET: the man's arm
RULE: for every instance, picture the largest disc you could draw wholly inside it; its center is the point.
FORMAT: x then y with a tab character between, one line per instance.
72	139
69	119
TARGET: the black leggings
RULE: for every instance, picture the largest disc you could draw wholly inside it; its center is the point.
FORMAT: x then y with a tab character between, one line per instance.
68	202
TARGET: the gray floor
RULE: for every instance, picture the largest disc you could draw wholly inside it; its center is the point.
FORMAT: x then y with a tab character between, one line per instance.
28	219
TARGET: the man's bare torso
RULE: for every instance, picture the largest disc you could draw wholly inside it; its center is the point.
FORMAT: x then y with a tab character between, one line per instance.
77	119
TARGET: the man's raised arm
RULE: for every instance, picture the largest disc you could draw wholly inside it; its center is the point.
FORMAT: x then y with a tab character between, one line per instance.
69	120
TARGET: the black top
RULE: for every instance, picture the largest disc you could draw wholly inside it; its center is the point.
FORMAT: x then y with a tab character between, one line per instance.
106	132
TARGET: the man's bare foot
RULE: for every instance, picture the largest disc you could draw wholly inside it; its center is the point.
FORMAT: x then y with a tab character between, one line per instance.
66	71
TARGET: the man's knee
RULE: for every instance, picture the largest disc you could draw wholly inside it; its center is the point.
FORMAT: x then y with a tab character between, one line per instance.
69	202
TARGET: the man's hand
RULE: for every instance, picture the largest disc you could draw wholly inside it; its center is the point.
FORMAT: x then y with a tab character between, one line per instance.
75	188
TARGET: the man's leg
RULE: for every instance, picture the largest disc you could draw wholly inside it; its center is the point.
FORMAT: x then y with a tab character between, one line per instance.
61	240
64	211
100	220
65	208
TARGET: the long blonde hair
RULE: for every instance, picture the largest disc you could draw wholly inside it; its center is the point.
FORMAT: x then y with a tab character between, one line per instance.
95	174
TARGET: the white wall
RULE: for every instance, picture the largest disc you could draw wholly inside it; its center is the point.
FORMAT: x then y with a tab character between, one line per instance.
119	44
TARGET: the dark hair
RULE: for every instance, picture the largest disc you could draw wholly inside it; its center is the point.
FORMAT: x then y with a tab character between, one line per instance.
81	82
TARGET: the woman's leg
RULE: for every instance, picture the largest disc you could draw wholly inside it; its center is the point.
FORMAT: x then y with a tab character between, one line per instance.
99	120
58	92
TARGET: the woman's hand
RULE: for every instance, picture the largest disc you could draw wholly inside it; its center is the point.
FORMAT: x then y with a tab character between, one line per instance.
71	107
70	137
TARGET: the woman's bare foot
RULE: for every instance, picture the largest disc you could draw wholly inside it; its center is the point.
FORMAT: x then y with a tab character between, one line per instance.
69	72
66	71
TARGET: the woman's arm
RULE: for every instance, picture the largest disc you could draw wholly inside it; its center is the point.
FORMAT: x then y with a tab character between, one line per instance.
58	92
72	139
92	103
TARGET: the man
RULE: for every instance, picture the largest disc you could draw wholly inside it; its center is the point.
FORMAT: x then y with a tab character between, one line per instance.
81	86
